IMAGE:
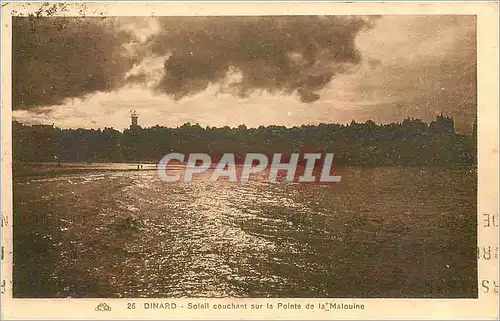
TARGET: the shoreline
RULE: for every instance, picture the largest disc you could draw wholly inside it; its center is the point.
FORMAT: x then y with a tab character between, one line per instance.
27	170
44	170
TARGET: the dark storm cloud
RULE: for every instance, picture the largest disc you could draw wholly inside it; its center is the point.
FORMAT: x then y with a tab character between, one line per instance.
277	54
55	58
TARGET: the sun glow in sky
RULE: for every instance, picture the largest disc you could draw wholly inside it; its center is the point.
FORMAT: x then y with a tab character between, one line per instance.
409	66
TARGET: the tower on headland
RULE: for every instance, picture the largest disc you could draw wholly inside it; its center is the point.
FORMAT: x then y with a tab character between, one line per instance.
134	123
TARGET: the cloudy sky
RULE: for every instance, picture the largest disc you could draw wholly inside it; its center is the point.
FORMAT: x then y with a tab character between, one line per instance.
218	71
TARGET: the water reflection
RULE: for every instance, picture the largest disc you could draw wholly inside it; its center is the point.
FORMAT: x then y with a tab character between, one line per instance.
386	232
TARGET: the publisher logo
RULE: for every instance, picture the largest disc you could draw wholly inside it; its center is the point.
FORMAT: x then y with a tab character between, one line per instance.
103	307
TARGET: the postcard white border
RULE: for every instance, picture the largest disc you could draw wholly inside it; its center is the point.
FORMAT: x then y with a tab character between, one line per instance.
485	307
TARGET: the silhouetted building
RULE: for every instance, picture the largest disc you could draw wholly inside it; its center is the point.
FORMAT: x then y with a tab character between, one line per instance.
442	124
359	144
134	125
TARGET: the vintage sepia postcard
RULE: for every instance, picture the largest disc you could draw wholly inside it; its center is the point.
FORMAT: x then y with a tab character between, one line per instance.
250	160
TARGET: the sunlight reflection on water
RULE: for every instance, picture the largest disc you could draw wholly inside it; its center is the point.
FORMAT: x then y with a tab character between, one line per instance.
128	234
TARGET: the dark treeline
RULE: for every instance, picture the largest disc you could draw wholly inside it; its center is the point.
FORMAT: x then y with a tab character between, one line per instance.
412	142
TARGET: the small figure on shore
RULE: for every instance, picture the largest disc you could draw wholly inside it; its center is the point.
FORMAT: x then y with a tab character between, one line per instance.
58	160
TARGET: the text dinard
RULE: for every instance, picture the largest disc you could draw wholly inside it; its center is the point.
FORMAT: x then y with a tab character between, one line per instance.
257	306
